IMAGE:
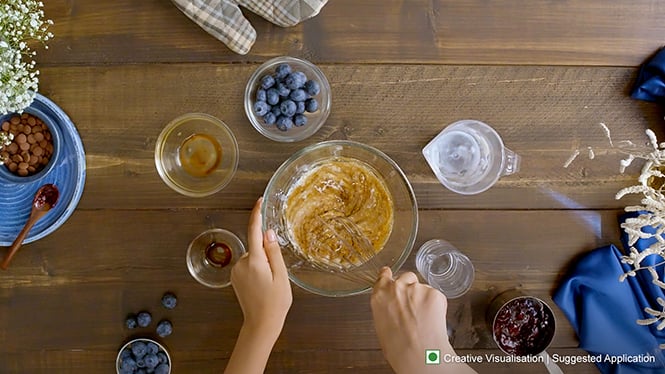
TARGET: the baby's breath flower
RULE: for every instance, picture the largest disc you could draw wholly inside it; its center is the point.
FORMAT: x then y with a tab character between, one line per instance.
21	22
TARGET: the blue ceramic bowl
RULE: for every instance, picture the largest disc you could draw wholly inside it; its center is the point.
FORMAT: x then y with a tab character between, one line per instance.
66	170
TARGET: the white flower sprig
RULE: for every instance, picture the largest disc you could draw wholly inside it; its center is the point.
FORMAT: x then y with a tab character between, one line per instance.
651	184
21	23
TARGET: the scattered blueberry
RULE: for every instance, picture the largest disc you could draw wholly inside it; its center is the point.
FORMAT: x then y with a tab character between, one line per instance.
139	349
272	96
311	105
261	95
312	88
131	322
164	328
269	118
288	108
162	369
300	120
267	81
144	319
298	95
151	361
282	70
261	108
284	123
283	90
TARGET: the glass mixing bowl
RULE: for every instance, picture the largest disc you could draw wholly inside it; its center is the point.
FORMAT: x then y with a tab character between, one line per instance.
405	214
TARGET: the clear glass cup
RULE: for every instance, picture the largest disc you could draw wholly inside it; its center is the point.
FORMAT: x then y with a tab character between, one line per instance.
468	157
211	255
445	268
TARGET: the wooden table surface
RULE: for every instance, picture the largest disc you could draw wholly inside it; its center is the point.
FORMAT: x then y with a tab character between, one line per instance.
543	73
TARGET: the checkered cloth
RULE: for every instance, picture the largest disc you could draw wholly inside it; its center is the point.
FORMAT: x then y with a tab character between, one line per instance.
224	20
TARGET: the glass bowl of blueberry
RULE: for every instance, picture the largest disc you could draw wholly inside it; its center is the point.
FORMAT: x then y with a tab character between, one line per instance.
287	99
143	356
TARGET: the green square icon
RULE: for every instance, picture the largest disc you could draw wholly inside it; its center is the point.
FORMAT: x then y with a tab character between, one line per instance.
432	357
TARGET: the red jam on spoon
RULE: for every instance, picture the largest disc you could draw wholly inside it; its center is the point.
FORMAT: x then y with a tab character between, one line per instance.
45	198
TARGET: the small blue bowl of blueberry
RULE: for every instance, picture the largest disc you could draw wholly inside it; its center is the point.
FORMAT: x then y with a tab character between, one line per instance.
143	356
287	99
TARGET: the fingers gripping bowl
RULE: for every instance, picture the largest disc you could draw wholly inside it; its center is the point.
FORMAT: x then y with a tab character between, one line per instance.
342	179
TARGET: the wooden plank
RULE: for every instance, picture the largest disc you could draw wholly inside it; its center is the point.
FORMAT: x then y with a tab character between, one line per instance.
293	361
542	113
124	267
577	32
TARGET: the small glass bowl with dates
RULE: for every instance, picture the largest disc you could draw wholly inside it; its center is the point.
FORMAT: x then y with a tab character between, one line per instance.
287	99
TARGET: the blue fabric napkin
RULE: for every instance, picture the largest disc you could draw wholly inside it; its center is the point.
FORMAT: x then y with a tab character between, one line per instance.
603	311
650	84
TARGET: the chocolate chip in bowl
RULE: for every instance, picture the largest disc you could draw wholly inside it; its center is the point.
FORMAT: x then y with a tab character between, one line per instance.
32	148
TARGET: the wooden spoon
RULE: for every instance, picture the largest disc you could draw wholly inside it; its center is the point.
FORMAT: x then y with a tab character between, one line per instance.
45	198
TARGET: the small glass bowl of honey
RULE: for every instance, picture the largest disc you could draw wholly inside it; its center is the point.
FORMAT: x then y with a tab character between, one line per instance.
196	155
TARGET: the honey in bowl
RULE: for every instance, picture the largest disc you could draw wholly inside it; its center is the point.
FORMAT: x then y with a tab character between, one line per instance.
338	187
200	155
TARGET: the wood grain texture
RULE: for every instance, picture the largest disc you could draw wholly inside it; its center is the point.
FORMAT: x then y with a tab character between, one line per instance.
542	113
544	74
104	268
542	32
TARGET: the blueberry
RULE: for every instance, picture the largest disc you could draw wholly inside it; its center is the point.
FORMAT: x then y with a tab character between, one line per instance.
300	120
261	108
163	359
139	349
126	371
125	353
162	369
267	81
312	88
311	105
276	111
300	107
131	322
140	362
282	70
269	118
284	123
128	363
283	90
298	95
288	108
164	328
144	319
141	371
261	95
272	96
295	80
152	348
151	361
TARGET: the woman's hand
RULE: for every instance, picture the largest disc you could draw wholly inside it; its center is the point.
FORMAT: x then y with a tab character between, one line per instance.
410	317
260	280
261	284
